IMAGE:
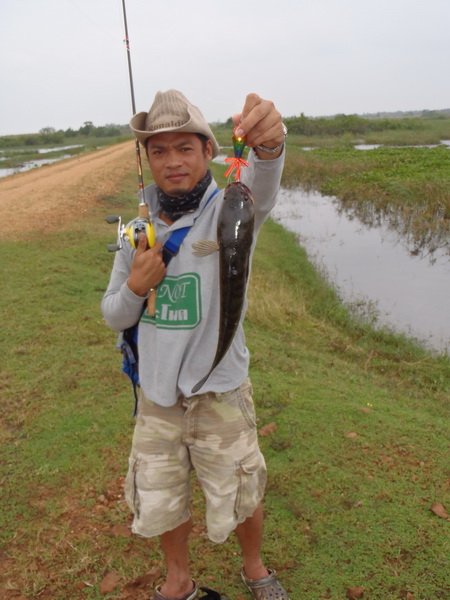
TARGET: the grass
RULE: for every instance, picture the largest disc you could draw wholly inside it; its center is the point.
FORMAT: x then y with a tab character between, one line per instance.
357	459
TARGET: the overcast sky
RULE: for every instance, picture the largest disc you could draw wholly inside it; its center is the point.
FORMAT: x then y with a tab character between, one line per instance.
63	62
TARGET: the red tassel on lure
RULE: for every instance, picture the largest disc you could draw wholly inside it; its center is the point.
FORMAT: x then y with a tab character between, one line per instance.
237	161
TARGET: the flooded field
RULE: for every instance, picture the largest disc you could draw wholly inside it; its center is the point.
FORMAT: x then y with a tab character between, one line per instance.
33	164
372	268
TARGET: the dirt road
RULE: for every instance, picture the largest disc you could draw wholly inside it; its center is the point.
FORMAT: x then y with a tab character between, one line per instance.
48	197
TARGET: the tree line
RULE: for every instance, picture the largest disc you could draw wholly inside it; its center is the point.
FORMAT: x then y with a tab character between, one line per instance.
49	135
354	124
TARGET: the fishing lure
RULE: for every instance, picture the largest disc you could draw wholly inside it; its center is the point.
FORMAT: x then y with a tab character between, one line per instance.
237	161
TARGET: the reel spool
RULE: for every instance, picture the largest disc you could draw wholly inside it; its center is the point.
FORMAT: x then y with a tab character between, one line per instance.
137	226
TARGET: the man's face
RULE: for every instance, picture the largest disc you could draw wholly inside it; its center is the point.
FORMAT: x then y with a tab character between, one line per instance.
177	161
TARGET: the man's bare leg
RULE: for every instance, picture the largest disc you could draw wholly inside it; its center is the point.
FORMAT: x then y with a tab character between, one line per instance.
174	545
249	534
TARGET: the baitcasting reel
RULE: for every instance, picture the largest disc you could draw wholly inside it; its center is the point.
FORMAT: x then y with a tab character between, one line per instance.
131	232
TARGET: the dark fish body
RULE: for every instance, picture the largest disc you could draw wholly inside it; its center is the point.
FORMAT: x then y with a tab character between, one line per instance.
235	237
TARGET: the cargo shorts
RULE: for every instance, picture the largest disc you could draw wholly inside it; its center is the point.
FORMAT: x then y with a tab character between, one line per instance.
213	434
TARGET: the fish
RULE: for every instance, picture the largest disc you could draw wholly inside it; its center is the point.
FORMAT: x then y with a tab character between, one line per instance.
235	230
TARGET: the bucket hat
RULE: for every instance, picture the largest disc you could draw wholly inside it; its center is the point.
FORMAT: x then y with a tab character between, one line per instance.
171	111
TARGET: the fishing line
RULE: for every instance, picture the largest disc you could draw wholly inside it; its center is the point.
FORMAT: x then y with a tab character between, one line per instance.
88	17
133	106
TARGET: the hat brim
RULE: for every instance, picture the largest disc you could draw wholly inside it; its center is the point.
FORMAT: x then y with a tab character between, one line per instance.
137	125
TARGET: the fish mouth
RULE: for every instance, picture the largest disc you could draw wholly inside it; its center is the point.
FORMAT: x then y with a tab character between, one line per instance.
243	188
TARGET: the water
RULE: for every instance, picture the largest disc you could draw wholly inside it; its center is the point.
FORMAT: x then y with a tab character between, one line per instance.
373	267
33	164
374	146
57	148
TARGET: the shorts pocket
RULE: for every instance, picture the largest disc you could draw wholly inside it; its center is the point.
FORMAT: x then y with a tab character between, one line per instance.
252	475
131	493
244	399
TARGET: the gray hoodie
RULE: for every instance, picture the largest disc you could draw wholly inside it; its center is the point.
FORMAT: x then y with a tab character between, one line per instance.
177	346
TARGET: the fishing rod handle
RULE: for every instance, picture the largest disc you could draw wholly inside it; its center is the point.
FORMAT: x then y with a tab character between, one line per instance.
143	212
151	302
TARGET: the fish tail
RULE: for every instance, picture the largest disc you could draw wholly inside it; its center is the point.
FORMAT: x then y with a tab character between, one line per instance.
201	383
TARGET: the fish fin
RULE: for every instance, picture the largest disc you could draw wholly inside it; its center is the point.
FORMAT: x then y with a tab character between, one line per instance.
205	247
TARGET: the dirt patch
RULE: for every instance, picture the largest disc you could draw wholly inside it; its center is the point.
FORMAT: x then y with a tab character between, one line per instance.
80	544
75	549
47	198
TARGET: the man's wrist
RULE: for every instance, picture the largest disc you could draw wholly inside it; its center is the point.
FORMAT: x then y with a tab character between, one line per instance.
268	156
137	291
275	149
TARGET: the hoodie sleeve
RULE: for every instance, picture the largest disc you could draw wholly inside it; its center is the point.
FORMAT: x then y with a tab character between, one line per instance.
121	307
263	177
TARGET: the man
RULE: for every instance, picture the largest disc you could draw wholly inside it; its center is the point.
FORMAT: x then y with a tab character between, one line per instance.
213	431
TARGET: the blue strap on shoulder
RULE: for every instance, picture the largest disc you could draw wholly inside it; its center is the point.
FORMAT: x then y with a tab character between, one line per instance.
171	247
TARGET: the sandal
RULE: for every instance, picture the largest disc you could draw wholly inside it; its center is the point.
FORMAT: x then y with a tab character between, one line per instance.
191	596
266	588
209	594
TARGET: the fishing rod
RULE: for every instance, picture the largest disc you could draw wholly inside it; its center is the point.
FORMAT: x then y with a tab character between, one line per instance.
142	206
142	223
